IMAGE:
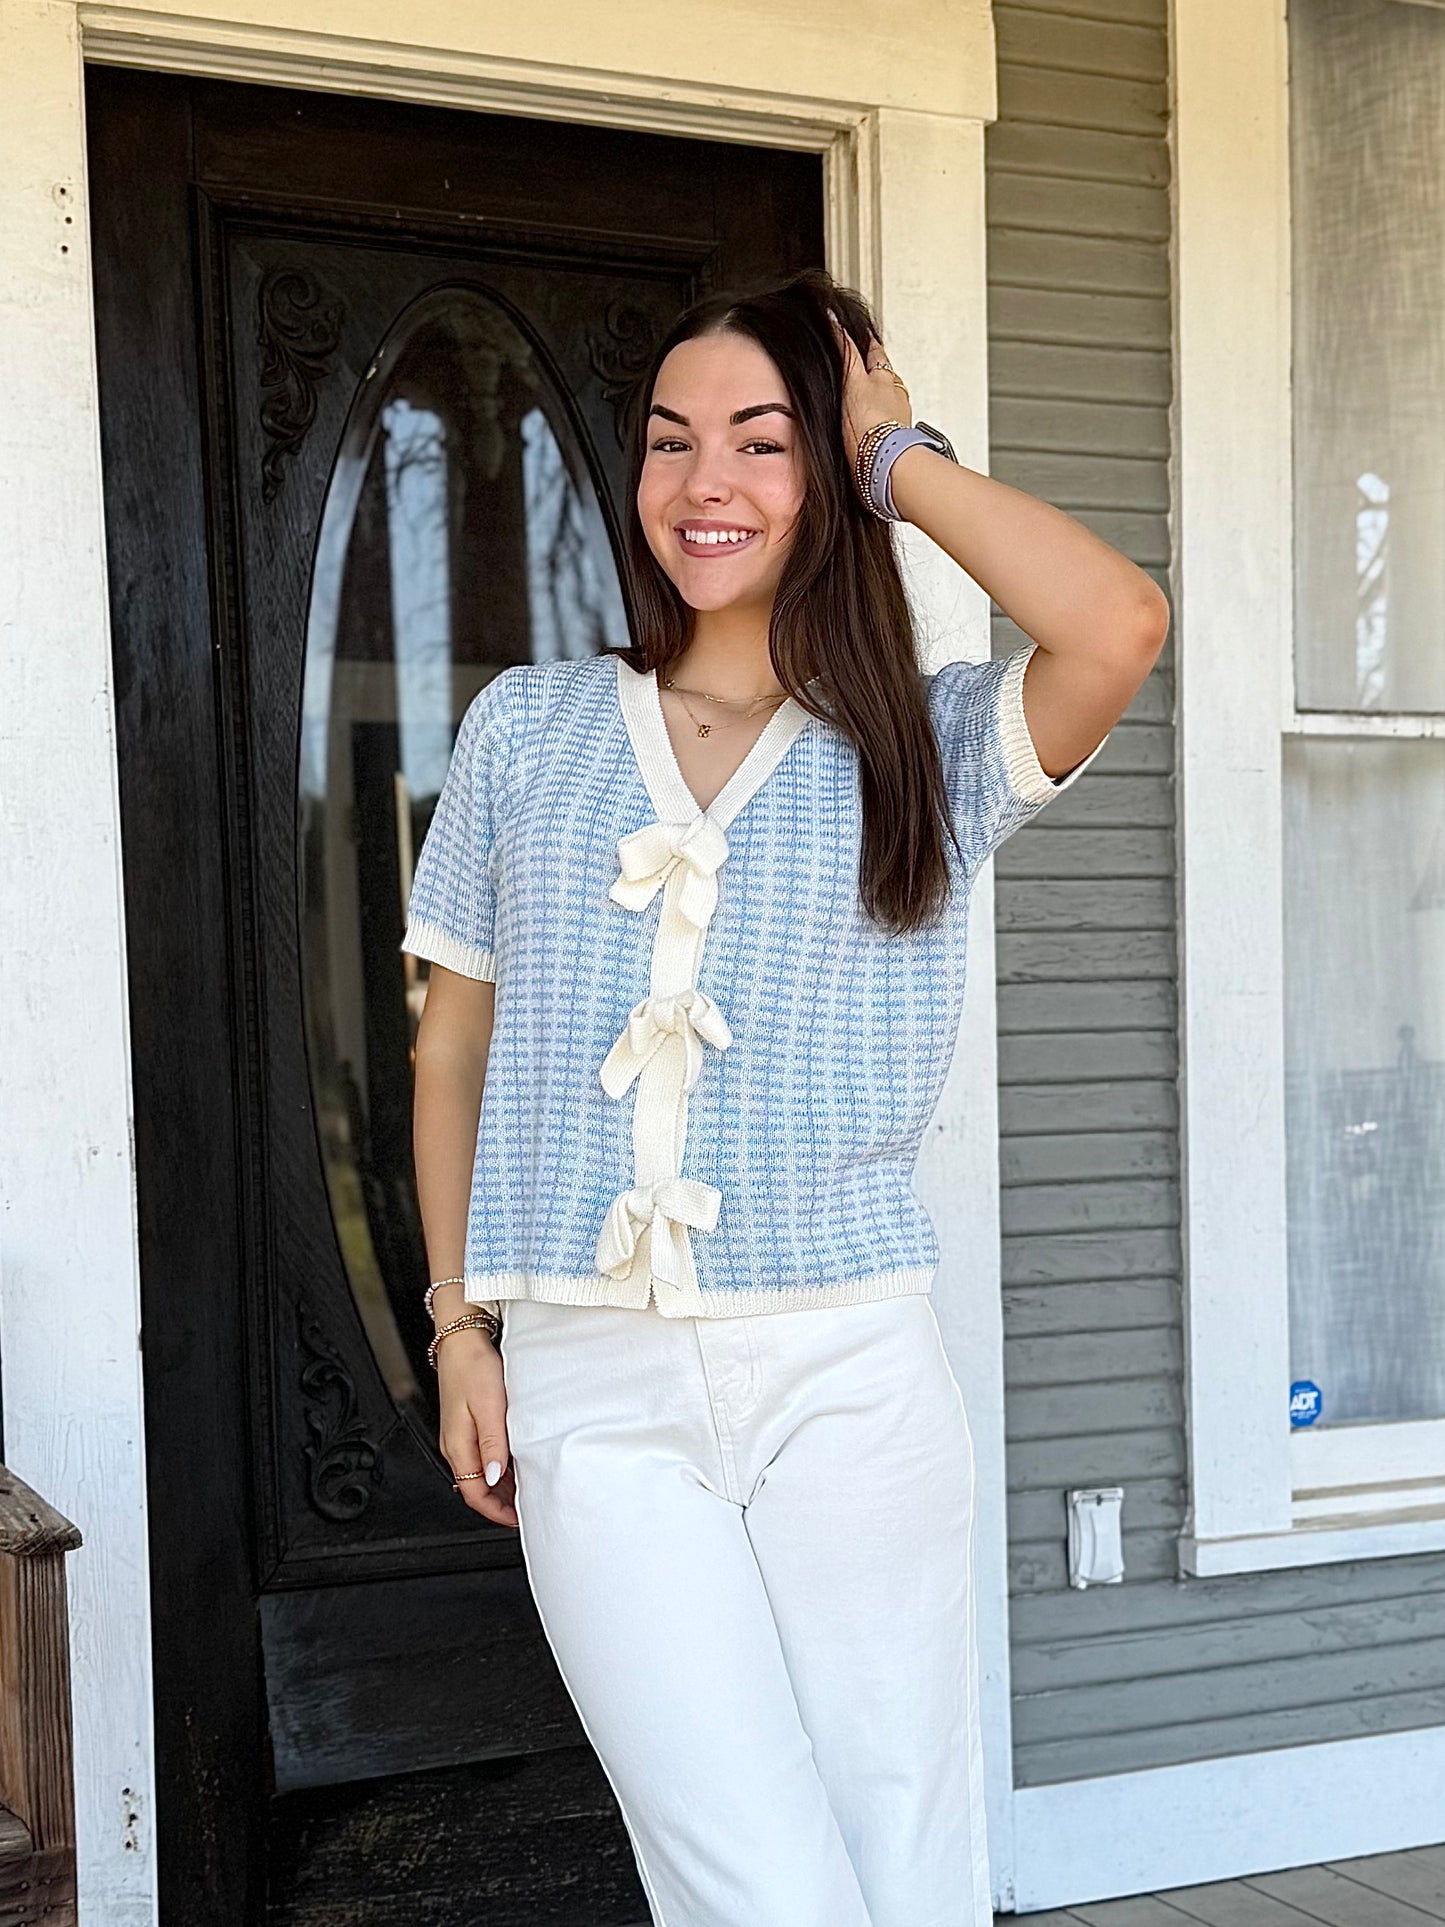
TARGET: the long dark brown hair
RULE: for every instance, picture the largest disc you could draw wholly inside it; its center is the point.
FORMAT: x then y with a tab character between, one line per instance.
840	613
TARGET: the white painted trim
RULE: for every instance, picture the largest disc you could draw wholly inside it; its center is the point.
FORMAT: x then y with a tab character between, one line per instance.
69	1271
896	108
1231	517
1356	1492
1247	1813
930	215
1376	1534
1374	1507
1367	1454
1255	1501
629	65
1361	722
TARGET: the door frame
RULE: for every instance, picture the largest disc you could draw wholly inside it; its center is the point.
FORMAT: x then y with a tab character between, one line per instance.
897	110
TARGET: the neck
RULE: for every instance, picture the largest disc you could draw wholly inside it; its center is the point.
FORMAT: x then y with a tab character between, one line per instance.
728	656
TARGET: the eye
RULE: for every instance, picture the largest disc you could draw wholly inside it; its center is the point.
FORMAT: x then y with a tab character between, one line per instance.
666	442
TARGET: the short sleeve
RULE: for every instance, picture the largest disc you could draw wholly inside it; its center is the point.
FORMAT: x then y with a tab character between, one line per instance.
451	911
994	779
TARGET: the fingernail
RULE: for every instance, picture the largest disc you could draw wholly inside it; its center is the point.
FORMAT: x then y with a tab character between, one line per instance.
494	1471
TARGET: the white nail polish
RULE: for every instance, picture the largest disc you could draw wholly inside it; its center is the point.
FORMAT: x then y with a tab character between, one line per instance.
494	1471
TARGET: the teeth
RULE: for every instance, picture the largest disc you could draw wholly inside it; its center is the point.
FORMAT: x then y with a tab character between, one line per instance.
711	536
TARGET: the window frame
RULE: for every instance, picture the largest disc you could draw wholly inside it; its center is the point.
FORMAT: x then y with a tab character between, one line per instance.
1261	1496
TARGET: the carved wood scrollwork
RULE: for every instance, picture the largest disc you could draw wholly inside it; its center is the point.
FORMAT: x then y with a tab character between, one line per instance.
343	1463
298	330
618	355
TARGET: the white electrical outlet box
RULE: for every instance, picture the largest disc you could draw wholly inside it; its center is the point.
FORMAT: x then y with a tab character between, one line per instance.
1096	1542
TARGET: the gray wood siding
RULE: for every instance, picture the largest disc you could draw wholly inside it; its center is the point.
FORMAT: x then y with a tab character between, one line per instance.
1157	1670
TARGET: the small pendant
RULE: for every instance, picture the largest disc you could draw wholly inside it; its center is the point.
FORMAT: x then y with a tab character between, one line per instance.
703	728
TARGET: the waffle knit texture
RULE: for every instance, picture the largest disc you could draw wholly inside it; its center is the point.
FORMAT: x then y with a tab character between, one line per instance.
709	1074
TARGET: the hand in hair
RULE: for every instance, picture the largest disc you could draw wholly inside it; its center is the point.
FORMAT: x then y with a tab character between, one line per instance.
871	393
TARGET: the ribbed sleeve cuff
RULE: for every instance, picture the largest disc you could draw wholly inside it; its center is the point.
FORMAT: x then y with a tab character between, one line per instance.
1027	775
437	946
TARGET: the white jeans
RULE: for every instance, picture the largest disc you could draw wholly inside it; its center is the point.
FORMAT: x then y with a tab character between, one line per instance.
750	1543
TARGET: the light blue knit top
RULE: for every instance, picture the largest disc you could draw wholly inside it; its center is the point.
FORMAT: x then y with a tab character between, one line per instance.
709	1075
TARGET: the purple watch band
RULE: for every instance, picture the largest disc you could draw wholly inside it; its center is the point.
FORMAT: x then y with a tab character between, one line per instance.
880	488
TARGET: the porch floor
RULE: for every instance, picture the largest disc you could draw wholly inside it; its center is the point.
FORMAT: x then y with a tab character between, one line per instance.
1381	1890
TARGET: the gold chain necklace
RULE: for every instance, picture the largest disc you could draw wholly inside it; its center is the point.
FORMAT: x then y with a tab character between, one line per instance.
705	729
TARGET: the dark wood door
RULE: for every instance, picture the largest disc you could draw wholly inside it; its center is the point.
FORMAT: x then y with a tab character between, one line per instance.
364	369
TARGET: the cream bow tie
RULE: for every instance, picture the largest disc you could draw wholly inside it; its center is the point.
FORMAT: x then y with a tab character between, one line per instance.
689	1014
667	1205
648	856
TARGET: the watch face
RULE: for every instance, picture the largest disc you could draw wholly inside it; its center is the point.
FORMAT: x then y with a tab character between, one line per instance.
944	445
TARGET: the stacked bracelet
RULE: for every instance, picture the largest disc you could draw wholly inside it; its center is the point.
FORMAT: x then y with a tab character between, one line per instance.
435	1286
478	1320
878	449
863	464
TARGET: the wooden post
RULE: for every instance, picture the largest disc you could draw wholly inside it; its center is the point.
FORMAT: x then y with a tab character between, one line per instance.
37	1799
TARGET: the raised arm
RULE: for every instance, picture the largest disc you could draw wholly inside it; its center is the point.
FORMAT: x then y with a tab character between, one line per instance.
1098	619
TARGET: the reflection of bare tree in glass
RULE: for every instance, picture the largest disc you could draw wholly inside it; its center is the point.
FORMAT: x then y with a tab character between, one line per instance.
461	533
417	464
572	612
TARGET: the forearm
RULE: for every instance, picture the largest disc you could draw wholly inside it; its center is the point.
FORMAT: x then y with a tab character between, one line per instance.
448	1107
1064	587
451	1066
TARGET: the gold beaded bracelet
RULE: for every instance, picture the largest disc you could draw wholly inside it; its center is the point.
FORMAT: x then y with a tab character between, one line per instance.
479	1320
863	461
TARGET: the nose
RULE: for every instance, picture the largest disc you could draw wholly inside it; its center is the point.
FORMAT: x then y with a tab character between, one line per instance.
707	479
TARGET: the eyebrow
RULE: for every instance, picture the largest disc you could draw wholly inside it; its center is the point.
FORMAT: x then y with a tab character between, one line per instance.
740	415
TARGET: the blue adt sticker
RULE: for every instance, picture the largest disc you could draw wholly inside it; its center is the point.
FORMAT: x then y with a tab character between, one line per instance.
1305	1402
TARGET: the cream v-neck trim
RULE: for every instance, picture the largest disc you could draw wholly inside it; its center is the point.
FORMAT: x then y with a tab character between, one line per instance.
645	1242
641	705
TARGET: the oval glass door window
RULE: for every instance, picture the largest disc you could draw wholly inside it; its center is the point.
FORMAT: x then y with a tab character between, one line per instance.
462	532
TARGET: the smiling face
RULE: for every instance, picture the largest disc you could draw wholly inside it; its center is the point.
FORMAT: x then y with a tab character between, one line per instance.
723	478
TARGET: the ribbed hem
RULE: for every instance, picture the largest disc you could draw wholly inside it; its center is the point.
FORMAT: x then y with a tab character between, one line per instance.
425	940
559	1289
1027	776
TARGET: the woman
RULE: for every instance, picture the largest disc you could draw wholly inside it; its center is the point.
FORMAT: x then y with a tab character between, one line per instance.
696	912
